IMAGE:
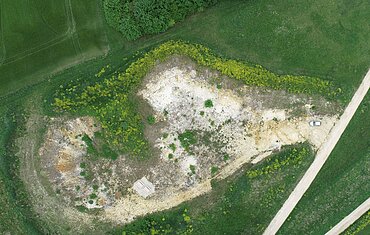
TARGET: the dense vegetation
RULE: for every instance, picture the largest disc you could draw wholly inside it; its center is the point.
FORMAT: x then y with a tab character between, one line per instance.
341	185
16	214
98	147
135	18
240	204
109	99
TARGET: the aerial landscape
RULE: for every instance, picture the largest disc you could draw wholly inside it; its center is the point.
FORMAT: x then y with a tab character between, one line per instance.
184	117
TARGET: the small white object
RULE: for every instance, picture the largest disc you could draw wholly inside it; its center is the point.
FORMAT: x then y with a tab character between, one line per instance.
315	123
143	187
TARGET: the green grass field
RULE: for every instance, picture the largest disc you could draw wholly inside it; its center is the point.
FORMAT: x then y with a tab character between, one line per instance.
287	37
324	39
39	38
290	37
342	184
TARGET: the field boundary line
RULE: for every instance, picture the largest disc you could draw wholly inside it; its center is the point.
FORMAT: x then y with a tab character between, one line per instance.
64	36
60	40
73	33
39	11
322	155
350	219
3	54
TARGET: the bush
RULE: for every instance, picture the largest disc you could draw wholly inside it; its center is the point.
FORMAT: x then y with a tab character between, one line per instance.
151	120
135	18
187	139
208	104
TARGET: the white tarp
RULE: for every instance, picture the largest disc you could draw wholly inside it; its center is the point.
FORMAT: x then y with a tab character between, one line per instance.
143	187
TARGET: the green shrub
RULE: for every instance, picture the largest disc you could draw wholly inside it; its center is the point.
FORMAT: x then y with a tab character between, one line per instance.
172	146
226	157
187	139
192	169
151	120
208	104
135	18
214	170
89	145
292	156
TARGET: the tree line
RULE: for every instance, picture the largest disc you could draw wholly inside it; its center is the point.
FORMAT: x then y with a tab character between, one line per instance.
135	18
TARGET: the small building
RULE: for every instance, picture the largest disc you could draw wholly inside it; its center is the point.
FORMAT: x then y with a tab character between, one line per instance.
143	187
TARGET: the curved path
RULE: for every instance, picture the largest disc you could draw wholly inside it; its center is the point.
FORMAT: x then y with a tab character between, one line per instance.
350	219
321	156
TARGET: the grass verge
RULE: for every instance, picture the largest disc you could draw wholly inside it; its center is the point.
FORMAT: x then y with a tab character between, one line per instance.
341	185
360	227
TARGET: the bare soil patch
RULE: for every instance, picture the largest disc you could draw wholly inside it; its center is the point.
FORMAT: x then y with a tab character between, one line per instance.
206	127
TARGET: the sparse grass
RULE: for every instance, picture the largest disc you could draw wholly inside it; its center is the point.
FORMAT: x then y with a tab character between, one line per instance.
341	185
164	135
172	146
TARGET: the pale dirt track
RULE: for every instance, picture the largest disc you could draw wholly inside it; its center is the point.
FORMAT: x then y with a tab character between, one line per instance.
350	219
321	157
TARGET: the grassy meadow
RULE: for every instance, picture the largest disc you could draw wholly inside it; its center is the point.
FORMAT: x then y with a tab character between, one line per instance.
41	40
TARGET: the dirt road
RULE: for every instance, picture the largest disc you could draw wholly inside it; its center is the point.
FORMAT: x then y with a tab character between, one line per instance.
322	155
350	219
